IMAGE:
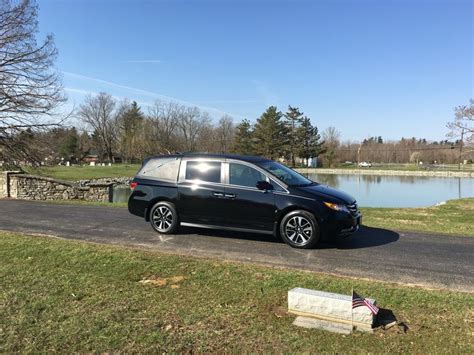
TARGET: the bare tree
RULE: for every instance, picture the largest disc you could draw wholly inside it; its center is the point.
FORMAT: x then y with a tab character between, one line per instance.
225	133
331	142
191	123
164	118
463	127
463	123
101	114
30	88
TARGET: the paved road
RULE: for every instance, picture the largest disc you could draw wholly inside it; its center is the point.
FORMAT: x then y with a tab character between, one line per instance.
415	258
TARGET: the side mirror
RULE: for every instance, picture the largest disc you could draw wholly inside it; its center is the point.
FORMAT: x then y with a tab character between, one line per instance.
264	185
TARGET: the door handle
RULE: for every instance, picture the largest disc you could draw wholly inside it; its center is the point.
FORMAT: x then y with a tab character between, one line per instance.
218	194
230	195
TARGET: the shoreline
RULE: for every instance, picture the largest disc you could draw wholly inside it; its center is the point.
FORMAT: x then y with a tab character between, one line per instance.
460	174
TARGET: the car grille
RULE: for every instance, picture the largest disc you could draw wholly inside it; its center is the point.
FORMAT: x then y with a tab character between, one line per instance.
353	209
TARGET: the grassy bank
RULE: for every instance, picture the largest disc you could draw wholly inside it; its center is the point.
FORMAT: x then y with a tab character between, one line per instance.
119	170
73	173
455	217
411	167
71	296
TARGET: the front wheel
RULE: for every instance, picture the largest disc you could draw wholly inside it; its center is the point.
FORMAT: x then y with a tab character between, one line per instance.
300	229
164	218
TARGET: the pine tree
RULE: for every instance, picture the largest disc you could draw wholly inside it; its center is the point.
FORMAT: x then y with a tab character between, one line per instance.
271	134
293	118
309	139
69	146
243	143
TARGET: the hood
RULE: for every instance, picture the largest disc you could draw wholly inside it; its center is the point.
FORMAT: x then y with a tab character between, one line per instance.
326	191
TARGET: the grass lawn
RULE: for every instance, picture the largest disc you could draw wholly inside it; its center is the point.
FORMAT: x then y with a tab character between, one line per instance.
70	296
76	172
455	217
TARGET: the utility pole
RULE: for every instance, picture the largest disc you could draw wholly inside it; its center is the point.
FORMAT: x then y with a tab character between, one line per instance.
358	154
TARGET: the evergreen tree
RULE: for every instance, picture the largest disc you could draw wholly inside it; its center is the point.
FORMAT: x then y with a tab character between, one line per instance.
293	118
309	139
130	122
243	143
271	134
69	145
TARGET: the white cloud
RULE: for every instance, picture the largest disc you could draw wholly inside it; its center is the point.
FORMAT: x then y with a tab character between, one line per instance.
80	91
143	61
211	110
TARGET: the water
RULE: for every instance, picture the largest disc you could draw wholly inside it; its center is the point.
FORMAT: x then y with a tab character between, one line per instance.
382	191
398	191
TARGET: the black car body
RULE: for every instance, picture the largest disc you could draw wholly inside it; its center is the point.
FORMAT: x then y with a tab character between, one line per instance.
243	193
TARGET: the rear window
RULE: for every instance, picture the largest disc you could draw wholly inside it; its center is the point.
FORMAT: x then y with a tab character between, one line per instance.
165	169
209	171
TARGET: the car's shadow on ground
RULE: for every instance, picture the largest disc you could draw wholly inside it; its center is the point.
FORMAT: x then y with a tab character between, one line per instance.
366	237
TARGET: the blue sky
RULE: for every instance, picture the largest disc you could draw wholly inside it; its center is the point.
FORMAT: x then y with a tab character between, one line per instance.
389	68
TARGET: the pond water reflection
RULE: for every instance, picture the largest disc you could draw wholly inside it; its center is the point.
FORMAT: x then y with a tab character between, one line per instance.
381	191
398	191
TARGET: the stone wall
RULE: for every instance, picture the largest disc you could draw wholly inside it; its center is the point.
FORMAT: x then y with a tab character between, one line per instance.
32	187
3	184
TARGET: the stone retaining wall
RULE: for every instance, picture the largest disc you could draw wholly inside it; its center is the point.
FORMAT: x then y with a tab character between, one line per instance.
463	174
32	187
3	185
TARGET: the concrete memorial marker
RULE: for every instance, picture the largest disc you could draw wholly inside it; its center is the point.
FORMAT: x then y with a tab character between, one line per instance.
315	323
331	307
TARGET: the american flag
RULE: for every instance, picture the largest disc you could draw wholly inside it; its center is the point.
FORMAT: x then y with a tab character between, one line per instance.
359	301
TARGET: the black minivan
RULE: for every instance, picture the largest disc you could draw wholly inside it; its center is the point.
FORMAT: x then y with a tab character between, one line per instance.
241	193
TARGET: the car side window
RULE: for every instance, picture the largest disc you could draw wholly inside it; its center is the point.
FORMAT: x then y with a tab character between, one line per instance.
276	187
243	175
208	171
161	168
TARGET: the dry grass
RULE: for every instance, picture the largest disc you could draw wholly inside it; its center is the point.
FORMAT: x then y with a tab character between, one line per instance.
63	296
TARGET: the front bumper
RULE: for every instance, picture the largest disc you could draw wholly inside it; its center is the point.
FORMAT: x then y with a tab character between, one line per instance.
343	224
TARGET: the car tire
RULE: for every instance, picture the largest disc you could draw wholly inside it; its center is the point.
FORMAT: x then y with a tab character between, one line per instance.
164	218
300	229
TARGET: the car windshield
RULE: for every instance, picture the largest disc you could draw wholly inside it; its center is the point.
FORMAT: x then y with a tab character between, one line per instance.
285	174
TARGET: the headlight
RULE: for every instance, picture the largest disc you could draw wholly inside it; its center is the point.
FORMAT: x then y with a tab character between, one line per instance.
336	207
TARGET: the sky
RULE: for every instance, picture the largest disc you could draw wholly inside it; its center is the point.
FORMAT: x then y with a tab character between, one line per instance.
370	67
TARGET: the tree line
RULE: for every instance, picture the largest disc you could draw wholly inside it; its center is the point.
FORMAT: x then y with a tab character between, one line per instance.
121	131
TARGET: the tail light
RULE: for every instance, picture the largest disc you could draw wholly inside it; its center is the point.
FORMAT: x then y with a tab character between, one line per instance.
133	184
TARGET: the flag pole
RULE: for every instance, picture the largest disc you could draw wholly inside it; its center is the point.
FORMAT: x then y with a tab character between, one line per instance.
352	310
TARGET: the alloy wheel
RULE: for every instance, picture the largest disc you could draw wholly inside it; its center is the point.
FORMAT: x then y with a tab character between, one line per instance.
298	230
162	218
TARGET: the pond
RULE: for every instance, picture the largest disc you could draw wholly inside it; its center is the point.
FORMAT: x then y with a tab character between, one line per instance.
381	191
398	191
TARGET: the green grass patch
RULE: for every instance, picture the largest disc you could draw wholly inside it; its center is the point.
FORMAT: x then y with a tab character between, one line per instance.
85	172
64	296
410	167
455	217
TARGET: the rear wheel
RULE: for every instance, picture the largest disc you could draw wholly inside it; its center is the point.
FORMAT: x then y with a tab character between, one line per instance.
164	218
300	229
